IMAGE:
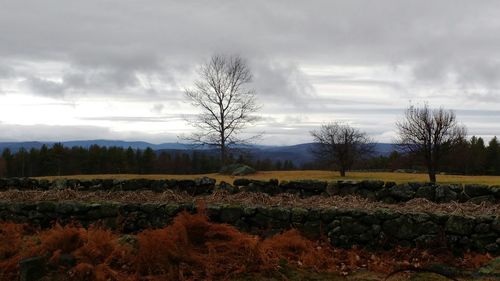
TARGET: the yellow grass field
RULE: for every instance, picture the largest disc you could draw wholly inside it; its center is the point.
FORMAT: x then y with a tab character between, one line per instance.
318	175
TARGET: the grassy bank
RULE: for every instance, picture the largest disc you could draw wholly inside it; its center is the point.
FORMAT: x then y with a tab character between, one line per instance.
319	175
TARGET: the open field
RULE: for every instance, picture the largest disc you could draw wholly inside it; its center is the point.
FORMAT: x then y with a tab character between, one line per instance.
318	175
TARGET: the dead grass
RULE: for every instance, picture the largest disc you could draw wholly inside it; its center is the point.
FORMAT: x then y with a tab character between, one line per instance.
250	199
318	175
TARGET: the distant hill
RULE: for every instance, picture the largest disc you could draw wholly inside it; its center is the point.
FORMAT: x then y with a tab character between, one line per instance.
299	154
15	146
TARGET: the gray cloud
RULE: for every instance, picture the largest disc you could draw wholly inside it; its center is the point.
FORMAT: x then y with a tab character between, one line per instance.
40	132
445	52
282	83
131	37
155	119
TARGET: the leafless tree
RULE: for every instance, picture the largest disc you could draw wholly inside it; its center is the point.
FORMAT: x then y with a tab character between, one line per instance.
340	145
226	101
430	133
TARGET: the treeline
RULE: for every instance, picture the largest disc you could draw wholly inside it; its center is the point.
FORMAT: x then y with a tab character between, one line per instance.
468	157
60	160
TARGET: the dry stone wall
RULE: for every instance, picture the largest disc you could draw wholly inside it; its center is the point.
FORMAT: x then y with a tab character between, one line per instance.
381	228
388	192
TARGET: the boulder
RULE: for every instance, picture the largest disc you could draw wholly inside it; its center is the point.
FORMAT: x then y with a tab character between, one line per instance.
237	170
243	171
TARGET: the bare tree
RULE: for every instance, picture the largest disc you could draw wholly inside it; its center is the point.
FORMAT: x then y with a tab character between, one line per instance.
340	145
227	103
430	133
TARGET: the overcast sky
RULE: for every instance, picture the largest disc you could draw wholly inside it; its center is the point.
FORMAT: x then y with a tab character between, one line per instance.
72	70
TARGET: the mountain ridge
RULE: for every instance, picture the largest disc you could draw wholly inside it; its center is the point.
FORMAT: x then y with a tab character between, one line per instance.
297	153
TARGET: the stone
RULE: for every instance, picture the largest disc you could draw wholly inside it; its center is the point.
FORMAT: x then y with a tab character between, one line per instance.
476	190
269	187
334	224
329	214
402	192
459	225
416	185
59	184
482	228
241	182
481	199
495	225
224	186
205	181
159	185
427	192
370	219
492	248
368	194
372	185
103	211
426	240
278	213
249	211
350	226
445	194
428	227
230	214
480	241
401	228
304	187
46	206
386	214
243	171
298	214
348	187
332	188
389	184
44	184
32	269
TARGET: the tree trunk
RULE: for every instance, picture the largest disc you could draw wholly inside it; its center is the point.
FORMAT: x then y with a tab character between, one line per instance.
432	175
223	155
342	172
